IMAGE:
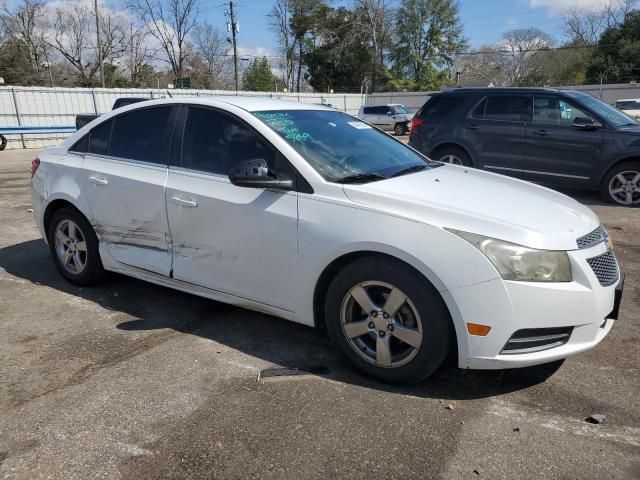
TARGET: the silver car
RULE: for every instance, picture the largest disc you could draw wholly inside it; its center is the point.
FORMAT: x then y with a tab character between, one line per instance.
394	117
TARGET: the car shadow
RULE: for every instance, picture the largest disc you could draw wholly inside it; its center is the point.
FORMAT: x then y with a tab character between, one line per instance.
273	340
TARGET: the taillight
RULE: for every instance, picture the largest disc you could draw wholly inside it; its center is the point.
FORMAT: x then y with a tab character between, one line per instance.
415	123
35	163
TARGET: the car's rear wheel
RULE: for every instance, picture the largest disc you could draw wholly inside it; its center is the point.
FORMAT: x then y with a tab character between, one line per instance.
74	247
453	155
400	129
3	142
622	184
388	320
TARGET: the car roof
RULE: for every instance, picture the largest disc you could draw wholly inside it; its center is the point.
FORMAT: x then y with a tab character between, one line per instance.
486	90
251	104
383	105
628	100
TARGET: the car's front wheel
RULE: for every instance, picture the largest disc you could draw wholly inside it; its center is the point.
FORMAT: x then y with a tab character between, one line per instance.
622	184
453	155
74	247
388	320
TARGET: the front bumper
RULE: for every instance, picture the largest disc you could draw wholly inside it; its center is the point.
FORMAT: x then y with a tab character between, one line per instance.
508	307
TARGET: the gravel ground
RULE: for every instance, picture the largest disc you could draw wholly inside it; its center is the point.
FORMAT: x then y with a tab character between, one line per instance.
131	380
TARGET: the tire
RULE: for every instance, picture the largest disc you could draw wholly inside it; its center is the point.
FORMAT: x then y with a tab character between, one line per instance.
3	142
614	190
422	319
453	155
400	129
75	253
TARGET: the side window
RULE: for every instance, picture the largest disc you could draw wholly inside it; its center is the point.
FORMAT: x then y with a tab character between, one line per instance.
509	108
215	141
367	110
552	110
99	138
478	112
140	134
82	145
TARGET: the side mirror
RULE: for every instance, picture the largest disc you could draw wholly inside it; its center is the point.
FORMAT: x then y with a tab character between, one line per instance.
255	174
586	123
389	113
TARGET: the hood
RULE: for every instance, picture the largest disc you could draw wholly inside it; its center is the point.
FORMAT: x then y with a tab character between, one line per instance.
481	202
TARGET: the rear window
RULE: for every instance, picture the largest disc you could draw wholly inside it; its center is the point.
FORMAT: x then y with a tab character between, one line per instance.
440	106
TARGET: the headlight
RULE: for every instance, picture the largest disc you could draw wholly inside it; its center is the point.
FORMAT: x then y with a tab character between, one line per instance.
515	262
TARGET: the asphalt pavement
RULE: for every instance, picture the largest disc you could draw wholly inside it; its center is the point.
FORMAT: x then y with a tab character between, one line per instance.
135	381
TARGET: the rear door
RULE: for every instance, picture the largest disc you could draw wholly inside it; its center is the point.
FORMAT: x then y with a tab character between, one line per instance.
496	130
557	152
126	172
236	240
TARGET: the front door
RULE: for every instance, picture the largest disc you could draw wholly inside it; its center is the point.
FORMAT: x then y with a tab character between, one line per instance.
557	152
126	172
240	241
496	132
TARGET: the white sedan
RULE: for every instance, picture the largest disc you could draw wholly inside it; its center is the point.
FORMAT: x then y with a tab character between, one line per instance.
309	214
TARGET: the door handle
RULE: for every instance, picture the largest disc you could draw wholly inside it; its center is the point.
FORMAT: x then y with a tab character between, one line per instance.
542	132
184	203
99	181
473	126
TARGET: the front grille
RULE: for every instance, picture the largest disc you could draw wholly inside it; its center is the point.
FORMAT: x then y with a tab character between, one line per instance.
531	340
605	267
593	238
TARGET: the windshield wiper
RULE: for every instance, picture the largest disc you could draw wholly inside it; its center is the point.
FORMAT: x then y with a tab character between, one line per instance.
411	169
362	178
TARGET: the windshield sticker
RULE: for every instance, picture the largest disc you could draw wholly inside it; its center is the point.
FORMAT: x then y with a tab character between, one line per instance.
283	123
359	125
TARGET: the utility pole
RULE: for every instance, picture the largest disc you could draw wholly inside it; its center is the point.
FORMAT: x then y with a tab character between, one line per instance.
234	30
100	59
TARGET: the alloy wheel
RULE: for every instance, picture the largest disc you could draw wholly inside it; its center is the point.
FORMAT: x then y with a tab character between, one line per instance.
624	187
451	159
381	324
71	247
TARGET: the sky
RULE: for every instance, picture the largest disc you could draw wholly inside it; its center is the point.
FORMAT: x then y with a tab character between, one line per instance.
484	20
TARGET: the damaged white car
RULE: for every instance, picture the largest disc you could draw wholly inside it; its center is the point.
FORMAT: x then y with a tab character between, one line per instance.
309	214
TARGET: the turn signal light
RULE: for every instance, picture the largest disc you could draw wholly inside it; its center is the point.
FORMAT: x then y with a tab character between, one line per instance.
35	163
477	329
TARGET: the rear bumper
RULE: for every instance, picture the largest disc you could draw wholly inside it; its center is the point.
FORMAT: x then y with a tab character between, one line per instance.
508	307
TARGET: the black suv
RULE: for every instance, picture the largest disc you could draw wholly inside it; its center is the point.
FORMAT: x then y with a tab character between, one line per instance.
561	138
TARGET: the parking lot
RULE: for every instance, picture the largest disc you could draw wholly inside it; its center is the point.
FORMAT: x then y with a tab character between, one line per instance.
132	380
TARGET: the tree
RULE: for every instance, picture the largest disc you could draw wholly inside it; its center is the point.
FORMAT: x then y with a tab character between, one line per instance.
617	56
258	76
139	53
518	59
169	22
373	18
24	27
428	36
208	61
74	37
341	57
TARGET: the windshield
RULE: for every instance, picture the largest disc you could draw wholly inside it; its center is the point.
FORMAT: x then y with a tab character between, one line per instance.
628	105
342	148
613	115
399	109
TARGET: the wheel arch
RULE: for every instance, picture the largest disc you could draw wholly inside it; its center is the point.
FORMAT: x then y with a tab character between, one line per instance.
630	159
444	145
52	207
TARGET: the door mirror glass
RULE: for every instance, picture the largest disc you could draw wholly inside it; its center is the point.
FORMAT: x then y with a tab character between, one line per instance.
255	173
586	123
